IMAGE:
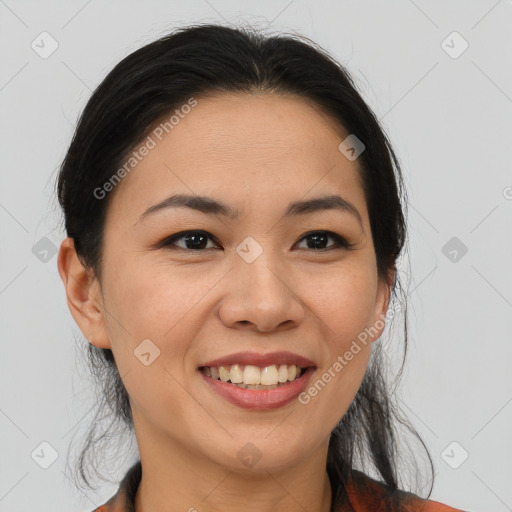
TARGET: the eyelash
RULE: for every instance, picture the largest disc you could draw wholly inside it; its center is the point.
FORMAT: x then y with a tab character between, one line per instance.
341	243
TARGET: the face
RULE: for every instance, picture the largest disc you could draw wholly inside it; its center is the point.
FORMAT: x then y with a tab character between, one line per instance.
256	279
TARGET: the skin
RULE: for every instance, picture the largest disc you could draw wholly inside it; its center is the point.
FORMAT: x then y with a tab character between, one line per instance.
255	153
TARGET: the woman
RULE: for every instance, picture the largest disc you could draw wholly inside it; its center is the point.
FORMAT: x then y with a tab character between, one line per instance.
234	217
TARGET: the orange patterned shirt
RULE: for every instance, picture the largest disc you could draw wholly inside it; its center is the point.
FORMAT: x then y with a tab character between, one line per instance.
373	501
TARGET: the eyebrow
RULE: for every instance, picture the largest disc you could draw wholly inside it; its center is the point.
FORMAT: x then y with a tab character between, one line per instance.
210	206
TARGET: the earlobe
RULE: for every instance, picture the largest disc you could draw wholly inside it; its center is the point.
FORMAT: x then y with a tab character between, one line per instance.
388	286
83	295
385	287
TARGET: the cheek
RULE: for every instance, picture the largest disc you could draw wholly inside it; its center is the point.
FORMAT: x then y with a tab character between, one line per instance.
345	303
149	301
145	303
153	302
345	307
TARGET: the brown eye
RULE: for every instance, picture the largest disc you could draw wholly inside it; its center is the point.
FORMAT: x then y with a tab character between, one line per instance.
192	240
196	241
318	239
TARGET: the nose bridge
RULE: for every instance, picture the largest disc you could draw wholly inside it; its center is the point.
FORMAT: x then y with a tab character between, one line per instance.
258	269
262	275
260	293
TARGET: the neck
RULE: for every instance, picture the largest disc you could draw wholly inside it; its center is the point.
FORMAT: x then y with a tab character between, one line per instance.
177	478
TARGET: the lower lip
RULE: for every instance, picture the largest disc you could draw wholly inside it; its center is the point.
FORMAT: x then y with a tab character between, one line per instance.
260	399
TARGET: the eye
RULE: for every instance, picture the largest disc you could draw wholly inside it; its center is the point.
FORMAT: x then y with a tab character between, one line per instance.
198	240
193	240
319	238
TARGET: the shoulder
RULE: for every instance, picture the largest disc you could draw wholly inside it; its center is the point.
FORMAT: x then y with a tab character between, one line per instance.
435	506
124	499
368	495
109	506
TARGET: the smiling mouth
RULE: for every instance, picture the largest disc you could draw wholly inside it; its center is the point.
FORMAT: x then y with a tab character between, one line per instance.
254	377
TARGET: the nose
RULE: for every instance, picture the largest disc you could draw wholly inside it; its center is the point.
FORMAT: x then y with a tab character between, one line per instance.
260	298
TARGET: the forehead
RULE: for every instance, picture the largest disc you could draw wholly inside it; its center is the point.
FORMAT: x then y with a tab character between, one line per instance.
267	147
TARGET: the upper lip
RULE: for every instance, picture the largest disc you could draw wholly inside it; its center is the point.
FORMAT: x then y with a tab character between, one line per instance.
261	360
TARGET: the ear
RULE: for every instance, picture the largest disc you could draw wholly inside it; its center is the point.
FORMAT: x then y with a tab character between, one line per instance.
384	287
84	296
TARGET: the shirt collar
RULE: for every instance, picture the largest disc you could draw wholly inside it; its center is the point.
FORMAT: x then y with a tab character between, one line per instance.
124	499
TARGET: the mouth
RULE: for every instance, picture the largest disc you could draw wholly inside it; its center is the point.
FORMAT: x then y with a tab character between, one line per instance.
254	377
259	388
258	381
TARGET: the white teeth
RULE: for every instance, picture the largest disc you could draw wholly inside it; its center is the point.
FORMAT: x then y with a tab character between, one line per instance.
282	376
269	375
253	377
235	374
224	374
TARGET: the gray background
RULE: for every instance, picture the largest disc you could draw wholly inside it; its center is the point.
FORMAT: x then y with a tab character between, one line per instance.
449	118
